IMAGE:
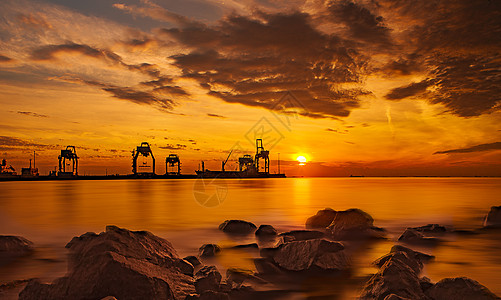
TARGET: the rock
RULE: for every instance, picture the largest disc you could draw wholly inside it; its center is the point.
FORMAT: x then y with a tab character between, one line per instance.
415	264
425	283
266	266
422	257
237	227
109	298
431	229
12	247
207	278
322	219
353	224
246	246
193	260
185	267
413	236
395	297
394	277
305	255
125	264
460	288
301	235
265	231
208	250
493	218
237	276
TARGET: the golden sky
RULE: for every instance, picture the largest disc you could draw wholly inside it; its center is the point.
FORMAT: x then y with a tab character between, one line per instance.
374	88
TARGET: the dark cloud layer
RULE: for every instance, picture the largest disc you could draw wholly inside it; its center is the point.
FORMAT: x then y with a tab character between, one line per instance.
476	148
4	59
32	114
14	143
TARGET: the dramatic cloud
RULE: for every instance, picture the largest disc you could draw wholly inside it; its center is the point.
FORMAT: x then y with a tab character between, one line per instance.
4	59
410	90
476	148
35	21
13	143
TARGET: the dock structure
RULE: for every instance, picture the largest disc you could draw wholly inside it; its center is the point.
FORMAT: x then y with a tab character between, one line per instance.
248	167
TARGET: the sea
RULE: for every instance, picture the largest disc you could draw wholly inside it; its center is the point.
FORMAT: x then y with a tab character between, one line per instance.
187	212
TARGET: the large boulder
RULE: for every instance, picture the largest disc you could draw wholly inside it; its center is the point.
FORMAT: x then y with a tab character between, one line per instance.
431	229
322	219
207	278
460	288
13	246
118	262
493	218
316	254
237	227
353	224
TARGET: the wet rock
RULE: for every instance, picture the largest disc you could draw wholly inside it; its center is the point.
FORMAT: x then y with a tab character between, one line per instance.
13	246
493	218
236	276
245	292
413	236
431	229
207	250
460	288
265	231
322	219
246	246
353	224
109	298
125	264
237	227
394	277
308	254
207	278
425	283
193	260
266	266
301	235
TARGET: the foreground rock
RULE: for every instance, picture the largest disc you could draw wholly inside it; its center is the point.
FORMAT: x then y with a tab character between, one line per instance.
322	219
307	255
237	227
460	288
12	247
353	224
120	263
431	229
207	278
398	278
493	218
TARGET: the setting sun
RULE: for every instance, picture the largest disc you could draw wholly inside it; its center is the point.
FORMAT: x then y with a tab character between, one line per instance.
301	159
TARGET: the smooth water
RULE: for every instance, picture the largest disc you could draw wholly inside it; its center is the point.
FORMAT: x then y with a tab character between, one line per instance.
188	212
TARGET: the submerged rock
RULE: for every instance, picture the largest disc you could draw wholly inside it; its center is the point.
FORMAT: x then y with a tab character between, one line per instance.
460	288
265	231
422	257
431	229
207	278
413	236
237	227
246	246
322	219
493	218
207	250
301	235
125	264
353	224
13	246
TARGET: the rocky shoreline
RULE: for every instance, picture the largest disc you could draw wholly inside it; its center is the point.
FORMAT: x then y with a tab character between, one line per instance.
123	264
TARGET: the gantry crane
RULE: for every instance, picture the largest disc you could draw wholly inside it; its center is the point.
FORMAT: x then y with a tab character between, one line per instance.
171	161
70	153
143	150
264	154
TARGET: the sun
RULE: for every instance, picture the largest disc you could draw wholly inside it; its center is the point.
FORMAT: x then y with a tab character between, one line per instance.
302	160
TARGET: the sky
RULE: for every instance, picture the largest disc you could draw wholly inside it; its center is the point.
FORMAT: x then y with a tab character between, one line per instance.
372	88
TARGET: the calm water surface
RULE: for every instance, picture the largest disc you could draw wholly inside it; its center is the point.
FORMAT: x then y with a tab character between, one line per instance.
188	212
